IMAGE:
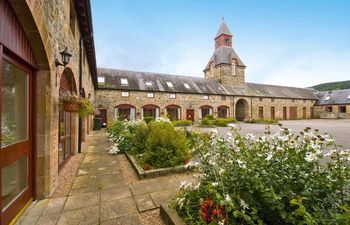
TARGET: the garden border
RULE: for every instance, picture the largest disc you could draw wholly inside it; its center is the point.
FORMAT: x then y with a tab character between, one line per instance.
169	216
154	173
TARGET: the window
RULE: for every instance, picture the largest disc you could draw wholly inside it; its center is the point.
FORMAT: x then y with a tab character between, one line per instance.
150	95
223	112
272	100
233	69
272	113
223	97
170	85
205	97
173	96
327	98
124	81
148	83
329	109
261	112
261	99
187	86
342	109
348	96
101	80
293	100
125	94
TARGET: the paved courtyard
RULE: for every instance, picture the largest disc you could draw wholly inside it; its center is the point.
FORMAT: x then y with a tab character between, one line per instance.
102	195
339	129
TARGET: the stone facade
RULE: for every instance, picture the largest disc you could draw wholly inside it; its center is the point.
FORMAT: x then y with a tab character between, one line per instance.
51	26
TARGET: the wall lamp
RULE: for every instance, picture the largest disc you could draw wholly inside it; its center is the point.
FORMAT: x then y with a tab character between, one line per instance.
65	57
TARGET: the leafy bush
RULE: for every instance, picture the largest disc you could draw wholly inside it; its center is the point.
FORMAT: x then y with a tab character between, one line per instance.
86	108
166	147
206	122
182	123
149	119
273	179
115	129
223	122
264	121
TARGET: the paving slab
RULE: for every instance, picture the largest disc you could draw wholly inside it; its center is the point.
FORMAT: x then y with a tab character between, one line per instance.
132	219
163	197
144	202
115	194
83	216
118	208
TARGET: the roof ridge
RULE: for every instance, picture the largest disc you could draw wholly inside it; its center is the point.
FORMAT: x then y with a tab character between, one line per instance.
274	85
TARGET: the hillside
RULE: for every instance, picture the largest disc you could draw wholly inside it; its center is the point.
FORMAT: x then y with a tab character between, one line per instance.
332	86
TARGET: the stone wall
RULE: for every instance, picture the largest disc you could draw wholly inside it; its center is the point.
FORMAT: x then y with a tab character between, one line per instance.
109	99
49	32
223	73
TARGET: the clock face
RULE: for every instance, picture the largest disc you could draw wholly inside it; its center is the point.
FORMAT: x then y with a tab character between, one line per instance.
228	41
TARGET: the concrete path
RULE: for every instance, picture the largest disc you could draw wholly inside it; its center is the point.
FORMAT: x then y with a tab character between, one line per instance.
101	195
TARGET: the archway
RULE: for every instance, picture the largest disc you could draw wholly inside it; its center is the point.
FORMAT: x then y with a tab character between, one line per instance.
173	112
66	119
150	111
241	109
205	110
223	111
125	112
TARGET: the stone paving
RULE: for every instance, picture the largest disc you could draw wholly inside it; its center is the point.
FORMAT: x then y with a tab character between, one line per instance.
101	195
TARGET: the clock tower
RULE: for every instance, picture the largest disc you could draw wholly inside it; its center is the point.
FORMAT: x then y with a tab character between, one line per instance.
224	65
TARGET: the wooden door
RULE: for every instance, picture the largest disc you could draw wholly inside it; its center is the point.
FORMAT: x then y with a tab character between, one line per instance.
293	113
304	112
284	113
312	113
272	113
103	115
190	114
16	151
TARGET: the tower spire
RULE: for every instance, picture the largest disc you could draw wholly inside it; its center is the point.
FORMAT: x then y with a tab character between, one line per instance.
223	29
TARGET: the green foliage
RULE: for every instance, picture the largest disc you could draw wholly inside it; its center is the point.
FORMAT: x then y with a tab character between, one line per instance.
220	122
272	179
166	147
206	122
149	119
86	108
332	86
263	121
115	129
182	123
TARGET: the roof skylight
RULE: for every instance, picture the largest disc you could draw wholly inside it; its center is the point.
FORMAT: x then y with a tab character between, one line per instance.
124	81
100	79
348	96
148	83
170	84
187	86
326	98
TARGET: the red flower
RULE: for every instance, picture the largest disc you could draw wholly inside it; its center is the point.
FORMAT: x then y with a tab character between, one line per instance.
148	167
210	211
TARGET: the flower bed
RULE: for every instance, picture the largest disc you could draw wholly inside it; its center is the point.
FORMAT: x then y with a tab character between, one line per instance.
153	146
210	121
271	179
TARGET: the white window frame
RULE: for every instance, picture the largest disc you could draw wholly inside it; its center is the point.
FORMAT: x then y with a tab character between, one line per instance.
125	94
172	96
150	95
101	79
170	85
187	86
124	81
206	97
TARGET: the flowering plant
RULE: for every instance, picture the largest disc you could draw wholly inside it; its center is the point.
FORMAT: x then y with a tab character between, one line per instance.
282	178
68	97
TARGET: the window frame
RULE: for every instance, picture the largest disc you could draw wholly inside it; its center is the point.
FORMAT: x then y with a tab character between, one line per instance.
123	83
150	95
127	94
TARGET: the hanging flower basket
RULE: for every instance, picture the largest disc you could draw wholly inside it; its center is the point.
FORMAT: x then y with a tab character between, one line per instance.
70	107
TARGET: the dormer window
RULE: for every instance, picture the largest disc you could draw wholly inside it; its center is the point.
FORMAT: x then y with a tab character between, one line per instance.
124	81
100	80
148	83
326	98
233	68
187	86
170	85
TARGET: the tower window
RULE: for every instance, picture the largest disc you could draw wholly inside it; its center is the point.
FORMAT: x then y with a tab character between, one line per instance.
228	41
233	68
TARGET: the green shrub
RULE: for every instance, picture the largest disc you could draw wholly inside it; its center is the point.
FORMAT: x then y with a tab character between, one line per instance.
272	179
206	122
182	123
140	137
165	147
115	129
149	119
263	121
209	116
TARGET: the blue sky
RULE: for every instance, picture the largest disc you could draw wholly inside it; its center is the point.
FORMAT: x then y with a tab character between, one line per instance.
282	42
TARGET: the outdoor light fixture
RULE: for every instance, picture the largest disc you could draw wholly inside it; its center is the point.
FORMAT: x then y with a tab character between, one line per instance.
65	57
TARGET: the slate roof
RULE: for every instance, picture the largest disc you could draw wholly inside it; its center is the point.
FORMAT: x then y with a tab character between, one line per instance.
223	29
224	55
137	82
336	97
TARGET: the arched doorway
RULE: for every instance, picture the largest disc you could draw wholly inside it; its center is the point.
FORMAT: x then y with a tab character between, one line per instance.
241	109
125	112
66	119
150	111
173	112
205	110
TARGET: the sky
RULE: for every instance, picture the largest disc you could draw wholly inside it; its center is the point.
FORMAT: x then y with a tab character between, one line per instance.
283	42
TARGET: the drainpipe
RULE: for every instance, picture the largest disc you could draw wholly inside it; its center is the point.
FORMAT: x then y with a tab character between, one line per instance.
80	90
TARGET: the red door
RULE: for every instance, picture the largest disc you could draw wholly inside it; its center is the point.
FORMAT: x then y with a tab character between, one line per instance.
16	180
190	114
103	115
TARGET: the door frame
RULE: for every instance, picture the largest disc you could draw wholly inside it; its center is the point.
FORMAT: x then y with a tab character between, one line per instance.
192	113
17	205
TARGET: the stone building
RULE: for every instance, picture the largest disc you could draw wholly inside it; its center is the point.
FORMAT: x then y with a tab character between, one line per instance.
333	104
37	135
223	92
